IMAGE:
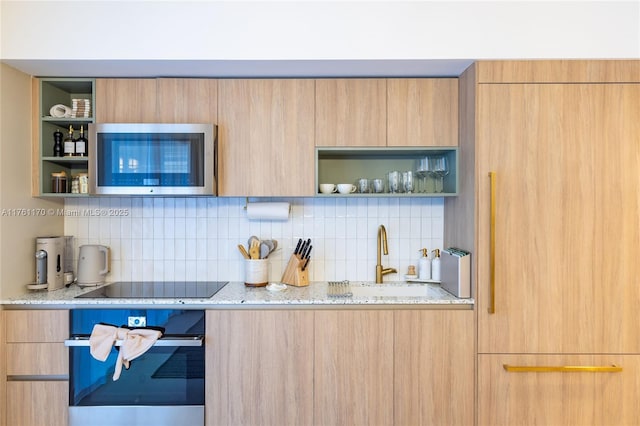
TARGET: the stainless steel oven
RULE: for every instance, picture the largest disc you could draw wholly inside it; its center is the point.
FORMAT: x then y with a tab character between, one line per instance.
164	386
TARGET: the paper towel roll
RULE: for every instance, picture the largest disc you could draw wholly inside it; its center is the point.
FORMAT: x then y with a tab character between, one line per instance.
268	211
59	111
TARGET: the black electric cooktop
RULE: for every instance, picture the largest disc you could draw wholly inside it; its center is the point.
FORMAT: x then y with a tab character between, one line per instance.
156	289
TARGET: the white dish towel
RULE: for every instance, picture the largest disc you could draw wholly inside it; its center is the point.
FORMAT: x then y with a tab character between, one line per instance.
133	343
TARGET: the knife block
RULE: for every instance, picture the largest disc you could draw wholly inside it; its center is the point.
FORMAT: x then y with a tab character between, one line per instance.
293	274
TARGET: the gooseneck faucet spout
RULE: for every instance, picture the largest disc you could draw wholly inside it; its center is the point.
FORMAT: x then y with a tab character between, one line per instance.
382	247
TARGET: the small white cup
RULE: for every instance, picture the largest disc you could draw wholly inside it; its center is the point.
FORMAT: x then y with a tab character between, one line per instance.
346	188
327	188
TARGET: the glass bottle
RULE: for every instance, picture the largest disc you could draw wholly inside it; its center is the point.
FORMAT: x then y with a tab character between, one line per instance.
81	144
69	144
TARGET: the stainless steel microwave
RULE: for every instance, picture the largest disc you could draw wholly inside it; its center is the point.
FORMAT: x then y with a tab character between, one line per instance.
152	159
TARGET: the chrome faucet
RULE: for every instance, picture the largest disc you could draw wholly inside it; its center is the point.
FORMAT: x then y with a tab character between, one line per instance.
382	246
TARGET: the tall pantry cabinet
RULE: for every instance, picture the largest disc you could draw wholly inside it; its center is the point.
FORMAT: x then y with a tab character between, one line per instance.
552	200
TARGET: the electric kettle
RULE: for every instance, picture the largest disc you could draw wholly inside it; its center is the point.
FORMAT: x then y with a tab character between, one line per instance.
94	263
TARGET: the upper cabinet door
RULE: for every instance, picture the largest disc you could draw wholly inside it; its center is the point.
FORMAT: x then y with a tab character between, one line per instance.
125	100
422	112
567	209
351	112
187	100
265	132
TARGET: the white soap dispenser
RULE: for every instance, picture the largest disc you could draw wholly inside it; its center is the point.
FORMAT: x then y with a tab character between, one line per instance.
435	265
424	265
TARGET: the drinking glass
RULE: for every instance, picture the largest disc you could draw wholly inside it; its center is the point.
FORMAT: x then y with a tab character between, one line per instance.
378	186
407	182
423	169
363	185
439	168
395	181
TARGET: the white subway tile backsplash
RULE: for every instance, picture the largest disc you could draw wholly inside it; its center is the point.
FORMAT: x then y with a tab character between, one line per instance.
196	238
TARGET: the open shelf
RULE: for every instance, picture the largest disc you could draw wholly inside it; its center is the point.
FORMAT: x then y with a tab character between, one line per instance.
55	91
347	165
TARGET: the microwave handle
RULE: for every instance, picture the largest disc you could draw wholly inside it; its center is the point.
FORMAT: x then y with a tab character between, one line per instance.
173	341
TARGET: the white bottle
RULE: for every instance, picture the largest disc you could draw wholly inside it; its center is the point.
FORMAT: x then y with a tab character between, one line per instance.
424	265
435	265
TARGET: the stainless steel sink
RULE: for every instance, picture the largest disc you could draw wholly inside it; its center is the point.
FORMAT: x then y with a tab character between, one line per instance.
389	290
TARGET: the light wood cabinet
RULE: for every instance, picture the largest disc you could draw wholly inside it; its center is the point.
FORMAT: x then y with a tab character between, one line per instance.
162	100
259	367
266	137
126	100
422	112
557	398
37	367
434	361
335	367
37	326
35	403
567	201
187	100
37	359
351	112
3	371
564	235
387	112
353	381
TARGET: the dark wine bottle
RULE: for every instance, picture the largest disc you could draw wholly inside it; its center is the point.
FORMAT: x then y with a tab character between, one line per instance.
81	144
57	143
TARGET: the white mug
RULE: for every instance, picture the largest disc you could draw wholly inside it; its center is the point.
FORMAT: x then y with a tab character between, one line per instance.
327	188
346	188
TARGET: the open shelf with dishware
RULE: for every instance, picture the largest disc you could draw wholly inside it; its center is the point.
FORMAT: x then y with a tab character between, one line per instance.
388	172
56	112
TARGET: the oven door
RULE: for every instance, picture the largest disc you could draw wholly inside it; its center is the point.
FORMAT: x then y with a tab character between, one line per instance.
164	386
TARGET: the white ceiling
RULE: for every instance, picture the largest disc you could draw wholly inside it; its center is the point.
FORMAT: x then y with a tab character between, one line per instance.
311	38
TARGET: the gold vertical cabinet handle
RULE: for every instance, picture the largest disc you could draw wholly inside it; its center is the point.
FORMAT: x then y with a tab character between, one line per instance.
563	369
492	244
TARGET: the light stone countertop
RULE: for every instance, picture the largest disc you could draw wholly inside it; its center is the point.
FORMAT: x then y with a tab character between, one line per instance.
236	295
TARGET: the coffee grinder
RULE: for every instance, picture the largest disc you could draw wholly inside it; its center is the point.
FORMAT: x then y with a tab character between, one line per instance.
50	263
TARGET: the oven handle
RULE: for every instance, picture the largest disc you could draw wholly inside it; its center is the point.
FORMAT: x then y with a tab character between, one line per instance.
172	341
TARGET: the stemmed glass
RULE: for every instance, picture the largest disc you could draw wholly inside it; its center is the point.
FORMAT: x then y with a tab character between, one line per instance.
422	171
439	168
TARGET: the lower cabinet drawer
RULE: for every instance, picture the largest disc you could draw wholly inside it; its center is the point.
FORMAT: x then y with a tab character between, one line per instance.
37	359
36	403
558	390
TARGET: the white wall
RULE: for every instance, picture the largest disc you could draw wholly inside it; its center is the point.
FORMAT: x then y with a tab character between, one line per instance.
319	30
315	30
18	225
197	238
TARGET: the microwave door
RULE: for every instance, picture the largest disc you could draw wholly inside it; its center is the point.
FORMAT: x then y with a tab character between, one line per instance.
146	159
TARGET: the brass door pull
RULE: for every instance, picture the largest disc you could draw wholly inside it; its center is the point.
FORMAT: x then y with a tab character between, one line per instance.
492	244
563	369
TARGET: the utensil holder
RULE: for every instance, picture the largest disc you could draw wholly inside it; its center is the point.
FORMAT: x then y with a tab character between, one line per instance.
293	274
256	272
